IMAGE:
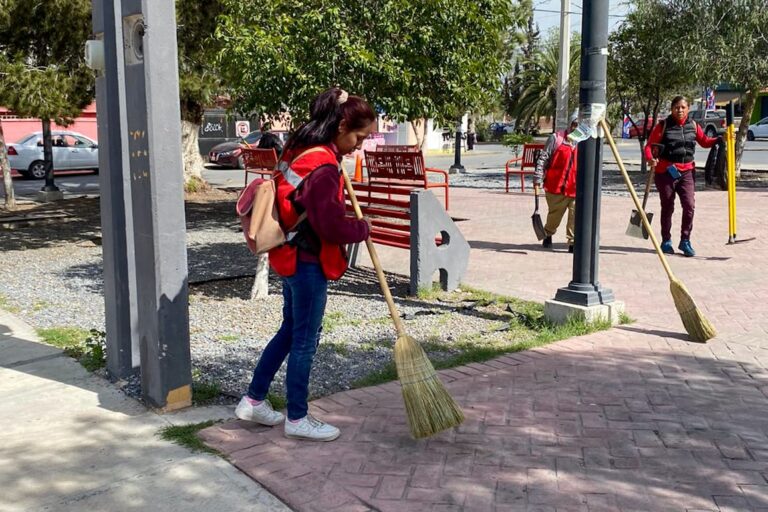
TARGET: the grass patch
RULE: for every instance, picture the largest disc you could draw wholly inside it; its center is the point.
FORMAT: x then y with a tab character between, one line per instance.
229	338
63	337
88	347
625	319
6	305
186	435
278	401
39	306
522	326
204	393
337	319
386	374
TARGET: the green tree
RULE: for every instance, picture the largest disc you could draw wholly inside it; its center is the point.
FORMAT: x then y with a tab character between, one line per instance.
42	69
539	81
513	83
730	46
413	60
643	69
199	82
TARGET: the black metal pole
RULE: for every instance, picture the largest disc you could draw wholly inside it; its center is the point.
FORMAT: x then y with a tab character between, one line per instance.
584	289
49	186
457	167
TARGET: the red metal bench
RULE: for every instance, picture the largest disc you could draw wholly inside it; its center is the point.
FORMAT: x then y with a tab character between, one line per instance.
390	216
402	169
523	165
398	148
259	161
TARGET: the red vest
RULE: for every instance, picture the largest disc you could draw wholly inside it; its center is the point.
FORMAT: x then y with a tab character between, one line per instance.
561	174
333	259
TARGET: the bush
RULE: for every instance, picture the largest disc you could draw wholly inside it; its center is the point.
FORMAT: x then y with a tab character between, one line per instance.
516	139
483	131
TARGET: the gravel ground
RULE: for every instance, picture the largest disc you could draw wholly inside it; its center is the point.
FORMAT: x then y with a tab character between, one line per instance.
52	276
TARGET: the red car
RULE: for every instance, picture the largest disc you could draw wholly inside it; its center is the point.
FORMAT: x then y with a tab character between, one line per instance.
642	126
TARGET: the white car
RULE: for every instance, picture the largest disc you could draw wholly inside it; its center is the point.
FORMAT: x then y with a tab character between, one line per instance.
758	130
71	151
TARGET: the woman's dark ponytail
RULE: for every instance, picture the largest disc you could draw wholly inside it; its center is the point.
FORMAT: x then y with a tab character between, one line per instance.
326	112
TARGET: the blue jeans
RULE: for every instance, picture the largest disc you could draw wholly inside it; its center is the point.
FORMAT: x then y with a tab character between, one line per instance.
304	296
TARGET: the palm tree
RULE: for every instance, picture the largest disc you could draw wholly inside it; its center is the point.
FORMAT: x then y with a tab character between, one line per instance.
539	83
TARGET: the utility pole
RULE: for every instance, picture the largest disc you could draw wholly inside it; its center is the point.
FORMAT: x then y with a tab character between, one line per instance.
564	65
584	296
140	95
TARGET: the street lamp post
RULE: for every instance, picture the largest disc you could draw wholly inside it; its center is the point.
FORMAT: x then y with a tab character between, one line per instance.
457	167
584	290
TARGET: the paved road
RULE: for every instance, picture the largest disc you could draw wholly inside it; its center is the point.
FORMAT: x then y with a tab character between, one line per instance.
486	157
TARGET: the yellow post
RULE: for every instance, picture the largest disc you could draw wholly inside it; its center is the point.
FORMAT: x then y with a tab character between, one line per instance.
730	143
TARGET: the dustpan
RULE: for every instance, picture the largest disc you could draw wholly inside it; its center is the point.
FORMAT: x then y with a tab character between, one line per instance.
636	228
538	225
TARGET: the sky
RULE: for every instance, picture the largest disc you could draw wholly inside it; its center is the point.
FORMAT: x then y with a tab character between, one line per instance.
548	20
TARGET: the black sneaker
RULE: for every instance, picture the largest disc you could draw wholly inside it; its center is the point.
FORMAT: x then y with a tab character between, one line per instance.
547	242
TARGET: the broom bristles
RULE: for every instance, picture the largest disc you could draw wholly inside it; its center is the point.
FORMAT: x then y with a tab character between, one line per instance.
696	324
429	407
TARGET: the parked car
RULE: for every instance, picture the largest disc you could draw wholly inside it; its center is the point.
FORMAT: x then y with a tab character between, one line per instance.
228	154
711	121
71	152
758	130
642	126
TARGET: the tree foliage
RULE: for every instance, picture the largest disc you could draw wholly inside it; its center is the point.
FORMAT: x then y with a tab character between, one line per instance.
431	58
730	47
42	69
666	47
513	82
645	65
199	81
538	81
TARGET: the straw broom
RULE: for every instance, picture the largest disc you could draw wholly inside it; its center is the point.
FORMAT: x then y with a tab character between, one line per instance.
694	321
429	407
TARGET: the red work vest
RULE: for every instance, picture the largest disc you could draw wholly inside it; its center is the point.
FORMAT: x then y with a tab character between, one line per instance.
333	259
561	174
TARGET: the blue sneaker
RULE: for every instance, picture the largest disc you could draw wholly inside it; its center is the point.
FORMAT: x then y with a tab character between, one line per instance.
685	246
666	247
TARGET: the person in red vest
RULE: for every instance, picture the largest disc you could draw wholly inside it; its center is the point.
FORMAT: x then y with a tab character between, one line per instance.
309	181
675	170
556	169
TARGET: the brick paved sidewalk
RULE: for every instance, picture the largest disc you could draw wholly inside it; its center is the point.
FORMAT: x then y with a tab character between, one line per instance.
636	418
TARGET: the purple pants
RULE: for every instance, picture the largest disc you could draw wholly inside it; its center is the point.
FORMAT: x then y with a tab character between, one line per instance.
684	187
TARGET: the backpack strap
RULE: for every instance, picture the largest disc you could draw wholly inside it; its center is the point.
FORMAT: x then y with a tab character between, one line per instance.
296	180
290	176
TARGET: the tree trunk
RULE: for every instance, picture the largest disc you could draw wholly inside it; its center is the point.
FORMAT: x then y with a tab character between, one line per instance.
741	135
419	128
10	199
48	156
260	289
193	162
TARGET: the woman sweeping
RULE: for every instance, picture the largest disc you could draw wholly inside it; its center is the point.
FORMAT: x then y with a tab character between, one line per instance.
675	170
309	182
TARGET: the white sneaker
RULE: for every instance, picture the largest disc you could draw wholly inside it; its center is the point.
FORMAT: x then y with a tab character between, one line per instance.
311	428
262	413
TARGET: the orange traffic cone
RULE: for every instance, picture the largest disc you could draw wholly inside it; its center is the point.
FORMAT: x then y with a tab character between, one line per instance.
358	169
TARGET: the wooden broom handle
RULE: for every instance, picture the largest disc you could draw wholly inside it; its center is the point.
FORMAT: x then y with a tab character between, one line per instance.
393	312
651	172
632	192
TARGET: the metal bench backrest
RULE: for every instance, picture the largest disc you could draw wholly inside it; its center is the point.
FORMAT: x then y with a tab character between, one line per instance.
397	148
260	158
395	165
530	154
